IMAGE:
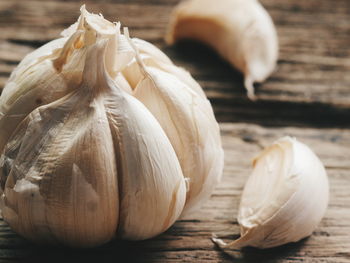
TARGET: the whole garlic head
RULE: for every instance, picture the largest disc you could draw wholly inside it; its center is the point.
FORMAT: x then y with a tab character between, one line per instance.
241	31
82	158
284	199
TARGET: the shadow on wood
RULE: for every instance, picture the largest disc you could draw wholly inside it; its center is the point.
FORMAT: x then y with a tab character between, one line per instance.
231	103
115	251
254	255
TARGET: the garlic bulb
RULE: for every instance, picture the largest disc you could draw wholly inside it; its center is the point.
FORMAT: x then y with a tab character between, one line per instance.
83	160
284	198
241	31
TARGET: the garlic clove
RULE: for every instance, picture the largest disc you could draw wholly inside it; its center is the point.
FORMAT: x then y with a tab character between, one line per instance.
152	56
190	125
241	31
284	198
152	192
62	184
52	47
36	85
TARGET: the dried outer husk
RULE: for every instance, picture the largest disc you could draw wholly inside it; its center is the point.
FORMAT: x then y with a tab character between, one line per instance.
284	199
188	120
241	31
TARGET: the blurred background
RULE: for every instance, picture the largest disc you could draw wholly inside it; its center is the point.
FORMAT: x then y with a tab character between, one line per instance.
310	85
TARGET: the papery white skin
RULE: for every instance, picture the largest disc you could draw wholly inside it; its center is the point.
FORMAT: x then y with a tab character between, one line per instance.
284	199
92	162
241	31
35	83
188	120
53	71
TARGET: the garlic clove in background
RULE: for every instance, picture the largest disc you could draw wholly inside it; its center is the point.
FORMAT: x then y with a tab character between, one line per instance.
241	31
189	122
284	199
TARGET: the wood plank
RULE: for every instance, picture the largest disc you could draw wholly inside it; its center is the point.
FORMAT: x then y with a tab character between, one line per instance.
314	55
189	239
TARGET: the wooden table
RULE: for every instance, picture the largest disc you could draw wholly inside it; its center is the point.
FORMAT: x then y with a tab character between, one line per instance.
308	96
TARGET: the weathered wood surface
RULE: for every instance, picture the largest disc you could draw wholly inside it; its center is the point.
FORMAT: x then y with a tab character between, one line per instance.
308	96
309	86
189	240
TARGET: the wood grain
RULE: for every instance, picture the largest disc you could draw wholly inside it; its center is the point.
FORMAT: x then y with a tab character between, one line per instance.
307	97
311	73
189	240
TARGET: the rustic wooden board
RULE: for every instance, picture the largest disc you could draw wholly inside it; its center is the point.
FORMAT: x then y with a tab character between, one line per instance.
309	86
307	96
189	240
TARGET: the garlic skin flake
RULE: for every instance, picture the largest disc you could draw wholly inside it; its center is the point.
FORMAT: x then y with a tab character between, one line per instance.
284	199
241	31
